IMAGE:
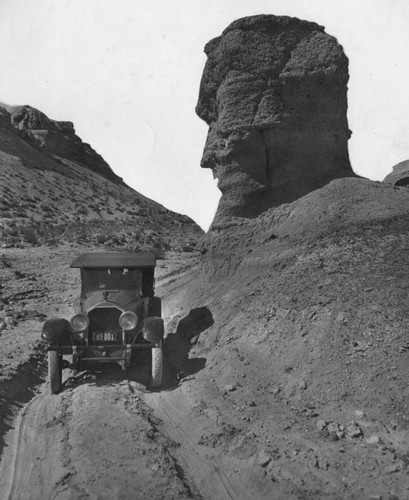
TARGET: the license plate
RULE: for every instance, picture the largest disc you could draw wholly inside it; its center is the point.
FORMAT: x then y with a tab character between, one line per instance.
105	337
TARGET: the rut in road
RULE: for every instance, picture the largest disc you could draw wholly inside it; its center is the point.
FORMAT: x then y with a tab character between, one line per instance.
92	441
33	462
172	409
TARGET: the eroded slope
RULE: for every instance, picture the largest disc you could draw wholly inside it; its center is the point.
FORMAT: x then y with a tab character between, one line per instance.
305	365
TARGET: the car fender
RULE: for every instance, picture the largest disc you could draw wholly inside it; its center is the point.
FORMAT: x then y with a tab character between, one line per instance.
153	329
54	329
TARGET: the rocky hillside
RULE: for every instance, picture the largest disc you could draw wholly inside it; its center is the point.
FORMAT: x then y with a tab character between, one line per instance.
274	94
301	346
56	188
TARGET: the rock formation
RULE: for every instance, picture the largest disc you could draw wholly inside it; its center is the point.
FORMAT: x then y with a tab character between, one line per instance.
399	175
273	93
56	138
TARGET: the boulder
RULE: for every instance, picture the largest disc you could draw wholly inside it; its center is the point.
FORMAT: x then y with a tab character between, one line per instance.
399	175
274	94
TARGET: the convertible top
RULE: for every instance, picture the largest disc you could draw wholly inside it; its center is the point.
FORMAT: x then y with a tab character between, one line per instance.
114	260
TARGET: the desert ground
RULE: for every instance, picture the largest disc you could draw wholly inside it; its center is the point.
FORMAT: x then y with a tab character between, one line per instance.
285	377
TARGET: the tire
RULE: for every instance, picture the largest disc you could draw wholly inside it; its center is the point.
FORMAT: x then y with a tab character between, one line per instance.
54	371
76	366
156	307
157	365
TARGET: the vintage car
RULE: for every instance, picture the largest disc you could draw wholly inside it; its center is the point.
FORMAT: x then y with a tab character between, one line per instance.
116	314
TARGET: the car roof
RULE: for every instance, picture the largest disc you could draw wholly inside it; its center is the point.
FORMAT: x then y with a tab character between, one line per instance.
114	259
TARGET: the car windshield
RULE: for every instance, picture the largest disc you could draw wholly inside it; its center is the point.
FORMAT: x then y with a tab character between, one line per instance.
112	279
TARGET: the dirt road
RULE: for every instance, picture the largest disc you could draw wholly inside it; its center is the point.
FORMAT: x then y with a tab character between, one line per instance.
101	440
106	436
96	439
229	422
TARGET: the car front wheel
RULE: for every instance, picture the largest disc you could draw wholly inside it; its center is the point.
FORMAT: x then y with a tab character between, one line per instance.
157	365
55	371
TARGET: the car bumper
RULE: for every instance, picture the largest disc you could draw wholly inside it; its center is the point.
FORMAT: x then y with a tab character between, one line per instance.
100	352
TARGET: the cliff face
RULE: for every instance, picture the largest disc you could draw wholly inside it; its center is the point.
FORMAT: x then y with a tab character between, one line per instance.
274	94
55	138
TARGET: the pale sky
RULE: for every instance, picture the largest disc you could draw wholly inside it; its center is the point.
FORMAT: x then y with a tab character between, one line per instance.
127	73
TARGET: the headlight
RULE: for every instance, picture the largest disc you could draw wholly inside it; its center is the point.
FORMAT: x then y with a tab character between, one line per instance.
128	320
79	322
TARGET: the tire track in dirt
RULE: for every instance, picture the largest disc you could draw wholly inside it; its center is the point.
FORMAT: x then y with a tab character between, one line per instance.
32	465
92	441
172	409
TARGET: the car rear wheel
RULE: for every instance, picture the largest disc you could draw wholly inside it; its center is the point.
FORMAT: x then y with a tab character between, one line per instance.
55	371
157	365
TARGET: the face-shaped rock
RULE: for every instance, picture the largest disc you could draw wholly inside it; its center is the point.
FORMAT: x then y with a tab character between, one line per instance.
273	93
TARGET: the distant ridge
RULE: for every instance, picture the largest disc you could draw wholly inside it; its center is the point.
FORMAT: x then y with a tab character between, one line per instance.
55	187
53	137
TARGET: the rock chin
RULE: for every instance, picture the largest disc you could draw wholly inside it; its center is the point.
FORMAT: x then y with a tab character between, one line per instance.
274	94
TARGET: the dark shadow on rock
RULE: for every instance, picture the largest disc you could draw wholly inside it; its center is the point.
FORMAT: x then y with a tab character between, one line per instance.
402	182
179	343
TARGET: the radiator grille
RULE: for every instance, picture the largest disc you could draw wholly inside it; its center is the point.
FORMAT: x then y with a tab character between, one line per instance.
104	319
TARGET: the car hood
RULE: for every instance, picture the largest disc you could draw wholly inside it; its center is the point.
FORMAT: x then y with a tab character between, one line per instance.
126	300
